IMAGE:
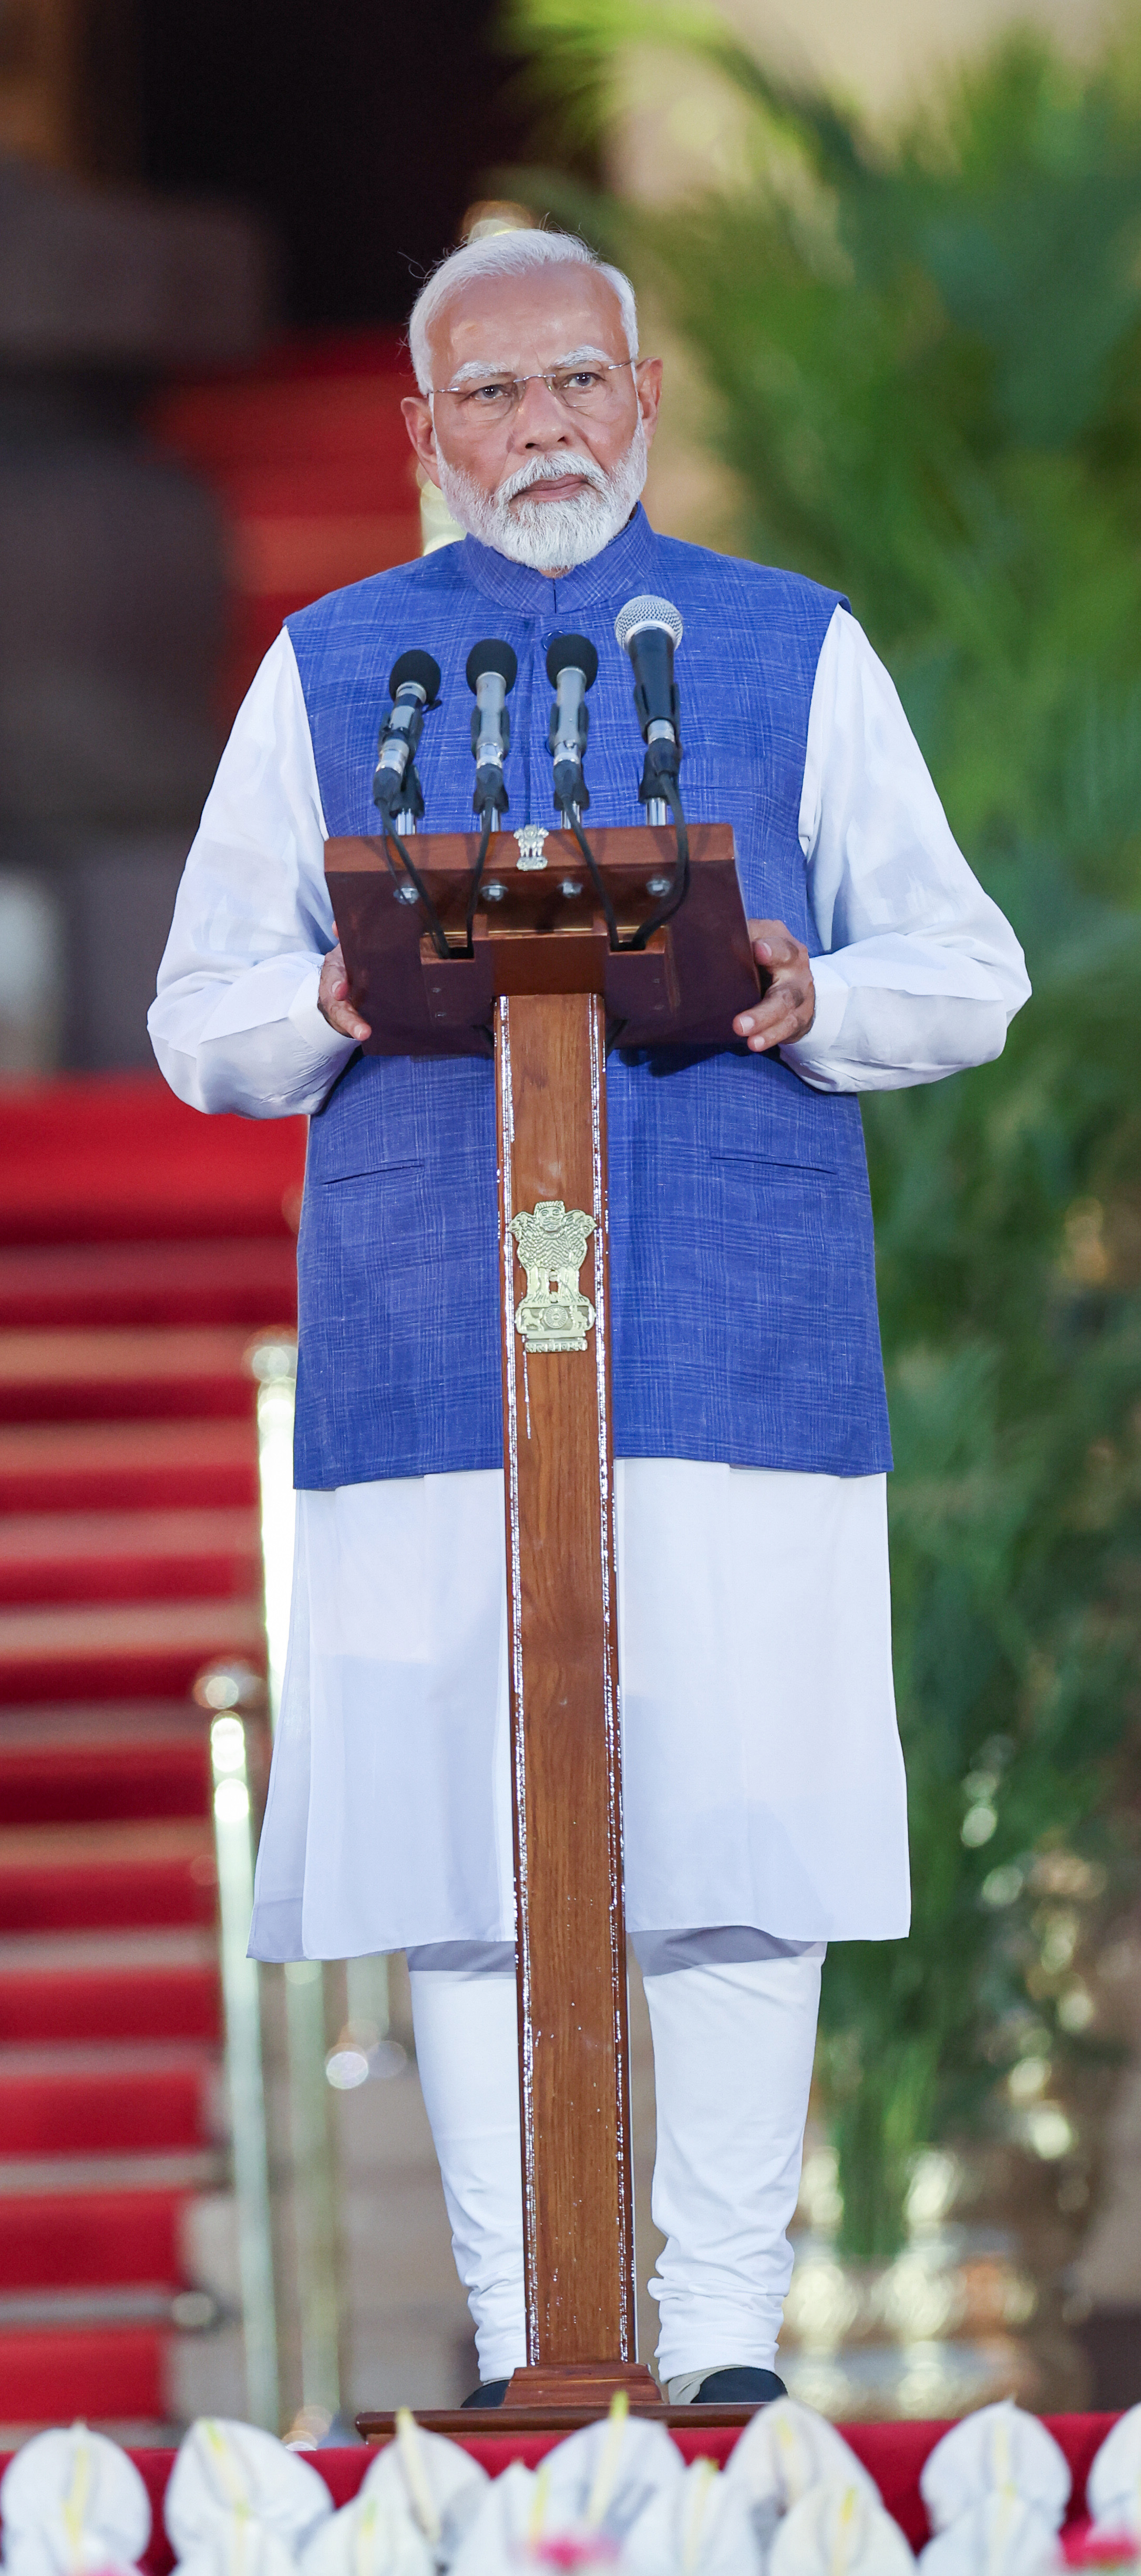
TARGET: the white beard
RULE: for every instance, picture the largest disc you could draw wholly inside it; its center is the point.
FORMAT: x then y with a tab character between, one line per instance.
548	533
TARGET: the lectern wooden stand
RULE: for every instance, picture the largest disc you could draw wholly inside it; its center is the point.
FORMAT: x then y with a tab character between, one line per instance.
547	990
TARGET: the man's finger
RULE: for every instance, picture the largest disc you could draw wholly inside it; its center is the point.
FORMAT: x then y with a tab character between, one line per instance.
785	1001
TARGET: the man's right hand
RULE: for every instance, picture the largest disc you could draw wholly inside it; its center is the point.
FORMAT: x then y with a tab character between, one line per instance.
333	999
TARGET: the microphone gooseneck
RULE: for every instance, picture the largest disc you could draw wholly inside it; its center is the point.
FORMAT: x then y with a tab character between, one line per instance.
650	630
491	671
413	684
572	669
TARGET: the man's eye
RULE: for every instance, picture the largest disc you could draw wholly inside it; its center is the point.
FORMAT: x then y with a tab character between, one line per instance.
488	394
581	380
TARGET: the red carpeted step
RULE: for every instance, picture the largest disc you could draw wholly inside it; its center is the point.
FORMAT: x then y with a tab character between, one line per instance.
84	2240
71	1877
101	2101
128	1556
153	1371
103	2374
137	2003
126	1466
106	1648
119	1157
252	1283
69	1773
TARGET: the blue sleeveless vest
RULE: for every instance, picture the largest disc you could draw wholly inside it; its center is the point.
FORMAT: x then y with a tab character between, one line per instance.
742	1278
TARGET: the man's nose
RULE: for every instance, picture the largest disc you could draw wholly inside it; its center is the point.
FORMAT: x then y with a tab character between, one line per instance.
540	418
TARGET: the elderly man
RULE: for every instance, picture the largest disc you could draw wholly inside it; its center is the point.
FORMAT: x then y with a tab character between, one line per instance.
765	1803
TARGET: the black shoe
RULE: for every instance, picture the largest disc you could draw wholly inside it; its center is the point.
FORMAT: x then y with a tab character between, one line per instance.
491	2392
740	2386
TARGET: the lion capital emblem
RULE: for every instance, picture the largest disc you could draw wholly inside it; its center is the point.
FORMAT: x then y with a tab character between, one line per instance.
552	1241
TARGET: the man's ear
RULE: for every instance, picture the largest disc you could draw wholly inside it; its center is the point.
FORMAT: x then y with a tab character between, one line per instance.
418	423
649	394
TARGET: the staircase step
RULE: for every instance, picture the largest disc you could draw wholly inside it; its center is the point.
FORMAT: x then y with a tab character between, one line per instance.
128	1556
138	2003
99	2373
121	1159
103	2101
155	1371
65	1770
103	1648
55	1877
126	1466
251	1282
89	2239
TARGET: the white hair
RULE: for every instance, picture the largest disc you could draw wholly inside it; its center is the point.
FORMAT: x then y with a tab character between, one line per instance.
509	254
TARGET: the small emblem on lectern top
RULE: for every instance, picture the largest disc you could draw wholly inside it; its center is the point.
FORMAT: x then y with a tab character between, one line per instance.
552	1240
531	837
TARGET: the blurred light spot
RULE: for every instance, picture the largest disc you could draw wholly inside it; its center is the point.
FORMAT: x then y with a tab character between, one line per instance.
979	1787
192	2310
1049	2131
228	1744
1076	2007
820	2200
1003	1886
978	1825
231	1802
345	2068
932	2189
1028	2079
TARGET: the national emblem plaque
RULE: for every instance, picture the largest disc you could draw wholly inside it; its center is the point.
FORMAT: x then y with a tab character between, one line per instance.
552	1241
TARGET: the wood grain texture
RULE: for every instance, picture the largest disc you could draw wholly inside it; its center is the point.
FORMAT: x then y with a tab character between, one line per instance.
578	2217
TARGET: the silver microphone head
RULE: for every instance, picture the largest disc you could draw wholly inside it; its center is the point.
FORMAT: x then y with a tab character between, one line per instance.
638	613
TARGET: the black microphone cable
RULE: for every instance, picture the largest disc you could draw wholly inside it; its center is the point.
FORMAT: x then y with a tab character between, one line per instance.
572	669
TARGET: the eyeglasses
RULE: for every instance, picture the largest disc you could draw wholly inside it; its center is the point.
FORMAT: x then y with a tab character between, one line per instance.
497	397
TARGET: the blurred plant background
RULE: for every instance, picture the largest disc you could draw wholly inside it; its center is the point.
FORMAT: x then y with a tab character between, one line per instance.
922	360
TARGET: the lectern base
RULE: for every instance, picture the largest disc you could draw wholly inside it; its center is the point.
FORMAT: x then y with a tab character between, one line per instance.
583	2383
513	2423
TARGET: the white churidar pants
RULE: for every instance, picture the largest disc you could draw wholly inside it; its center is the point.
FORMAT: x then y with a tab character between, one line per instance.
733	2046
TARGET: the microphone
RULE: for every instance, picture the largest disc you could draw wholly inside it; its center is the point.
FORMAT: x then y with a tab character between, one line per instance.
649	630
413	684
572	669
491	671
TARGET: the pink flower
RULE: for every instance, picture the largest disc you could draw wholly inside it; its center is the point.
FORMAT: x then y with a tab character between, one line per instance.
1084	2547
573	2549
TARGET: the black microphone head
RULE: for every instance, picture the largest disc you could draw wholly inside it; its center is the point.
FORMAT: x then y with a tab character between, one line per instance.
571	653
417	671
491	655
640	613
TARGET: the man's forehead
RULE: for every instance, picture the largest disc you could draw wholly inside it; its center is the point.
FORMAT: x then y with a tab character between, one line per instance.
537	317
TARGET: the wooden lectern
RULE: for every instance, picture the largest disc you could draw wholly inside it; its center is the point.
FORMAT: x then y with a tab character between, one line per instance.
545	987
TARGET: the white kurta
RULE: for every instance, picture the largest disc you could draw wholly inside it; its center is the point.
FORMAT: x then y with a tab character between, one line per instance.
763	1777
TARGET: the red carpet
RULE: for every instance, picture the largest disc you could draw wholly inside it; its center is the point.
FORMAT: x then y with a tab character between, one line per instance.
309	457
140	1247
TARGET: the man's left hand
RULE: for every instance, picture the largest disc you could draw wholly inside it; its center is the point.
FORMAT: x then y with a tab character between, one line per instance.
787	1006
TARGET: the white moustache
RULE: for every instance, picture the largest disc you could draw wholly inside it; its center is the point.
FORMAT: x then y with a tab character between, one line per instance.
550	469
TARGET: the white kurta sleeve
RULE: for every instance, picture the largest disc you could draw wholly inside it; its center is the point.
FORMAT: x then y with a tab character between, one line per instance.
921	974
235	1023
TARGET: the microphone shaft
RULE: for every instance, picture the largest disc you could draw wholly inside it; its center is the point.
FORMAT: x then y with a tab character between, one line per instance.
491	699
570	693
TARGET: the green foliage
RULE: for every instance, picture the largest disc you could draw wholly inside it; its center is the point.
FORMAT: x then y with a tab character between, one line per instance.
927	369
